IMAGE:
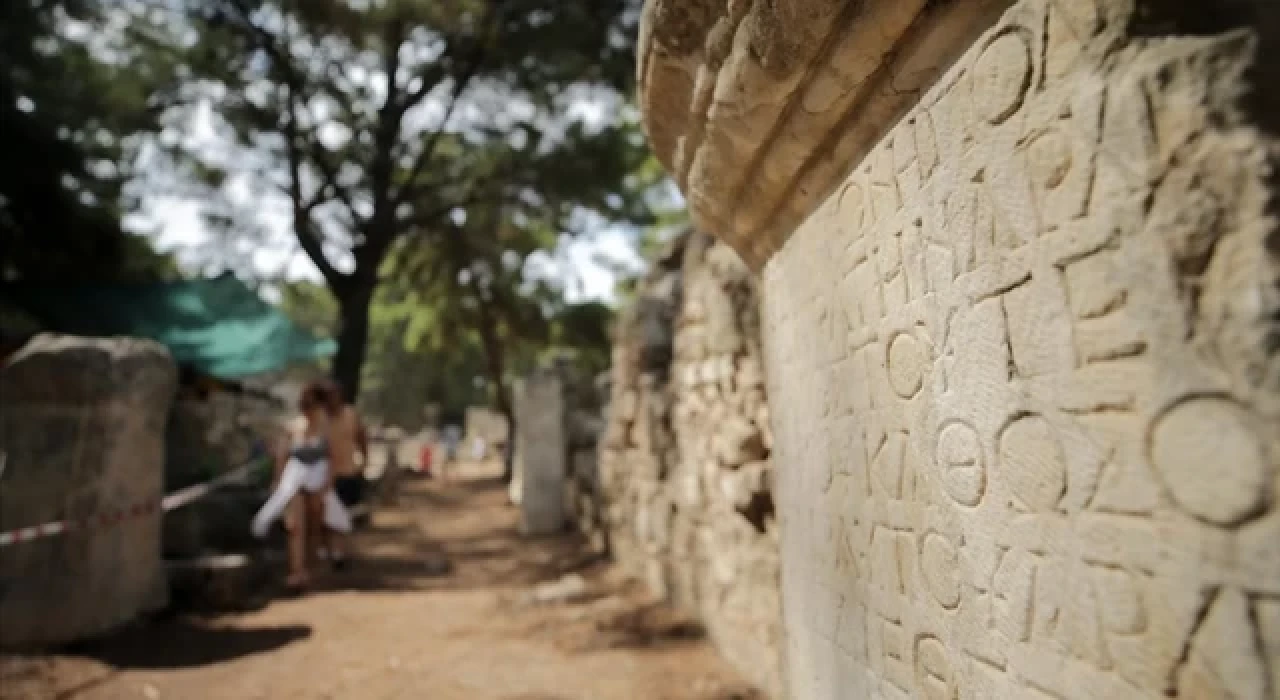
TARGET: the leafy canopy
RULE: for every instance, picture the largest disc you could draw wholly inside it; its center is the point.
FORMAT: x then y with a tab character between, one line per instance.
80	82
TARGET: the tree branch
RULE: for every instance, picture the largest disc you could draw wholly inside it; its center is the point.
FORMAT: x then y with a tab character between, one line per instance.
302	224
430	77
319	156
462	80
430	218
269	43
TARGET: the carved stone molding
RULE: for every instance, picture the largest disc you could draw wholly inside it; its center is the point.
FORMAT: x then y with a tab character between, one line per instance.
760	107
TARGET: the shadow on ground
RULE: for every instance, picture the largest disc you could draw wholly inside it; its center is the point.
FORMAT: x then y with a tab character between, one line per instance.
393	554
185	643
649	626
398	556
546	605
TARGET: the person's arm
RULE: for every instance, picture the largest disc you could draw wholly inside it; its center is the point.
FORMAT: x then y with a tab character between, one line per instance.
362	440
279	456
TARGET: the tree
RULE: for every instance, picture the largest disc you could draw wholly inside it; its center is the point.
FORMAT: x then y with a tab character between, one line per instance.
377	120
582	331
409	367
72	106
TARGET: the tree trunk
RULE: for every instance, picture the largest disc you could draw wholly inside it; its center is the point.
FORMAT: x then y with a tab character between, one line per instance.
497	364
354	299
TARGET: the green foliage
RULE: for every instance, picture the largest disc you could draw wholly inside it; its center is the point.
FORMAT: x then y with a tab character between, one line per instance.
72	105
581	332
398	119
423	152
409	363
311	306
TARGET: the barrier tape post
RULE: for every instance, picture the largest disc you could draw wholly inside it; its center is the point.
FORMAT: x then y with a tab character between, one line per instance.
169	502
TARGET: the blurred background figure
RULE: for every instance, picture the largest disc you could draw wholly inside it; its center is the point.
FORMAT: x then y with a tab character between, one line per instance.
304	483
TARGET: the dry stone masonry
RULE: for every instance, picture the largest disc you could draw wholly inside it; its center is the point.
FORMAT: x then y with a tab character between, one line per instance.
685	461
82	428
1022	328
584	400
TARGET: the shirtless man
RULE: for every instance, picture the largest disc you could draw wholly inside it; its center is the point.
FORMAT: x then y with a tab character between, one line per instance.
347	437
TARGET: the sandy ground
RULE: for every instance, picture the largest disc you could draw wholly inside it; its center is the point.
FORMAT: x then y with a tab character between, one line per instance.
394	626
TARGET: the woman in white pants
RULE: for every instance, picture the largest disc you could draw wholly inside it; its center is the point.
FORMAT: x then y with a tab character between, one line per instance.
305	484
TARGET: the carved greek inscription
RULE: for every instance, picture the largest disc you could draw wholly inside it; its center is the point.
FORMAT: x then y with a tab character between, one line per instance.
960	459
1060	480
1002	75
1212	430
1033	464
939	559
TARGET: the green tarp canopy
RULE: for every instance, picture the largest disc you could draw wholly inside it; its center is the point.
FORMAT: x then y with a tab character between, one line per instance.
218	327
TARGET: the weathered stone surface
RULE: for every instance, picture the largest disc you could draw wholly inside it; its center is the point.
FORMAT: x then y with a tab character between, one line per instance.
759	108
213	524
737	442
687	504
542	440
1019	273
209	435
82	430
1036	335
205	437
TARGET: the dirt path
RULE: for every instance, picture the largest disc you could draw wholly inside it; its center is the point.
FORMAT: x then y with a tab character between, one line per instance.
393	627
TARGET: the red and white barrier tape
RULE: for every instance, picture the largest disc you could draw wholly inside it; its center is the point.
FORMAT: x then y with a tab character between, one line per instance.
101	521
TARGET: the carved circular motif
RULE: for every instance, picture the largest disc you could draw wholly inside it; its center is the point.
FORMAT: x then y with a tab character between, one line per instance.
1001	77
1049	158
934	676
1211	461
908	362
959	457
852	209
1032	463
938	561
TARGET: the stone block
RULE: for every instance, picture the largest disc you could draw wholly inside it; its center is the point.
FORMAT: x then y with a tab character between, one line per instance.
738	441
82	431
542	445
1018	264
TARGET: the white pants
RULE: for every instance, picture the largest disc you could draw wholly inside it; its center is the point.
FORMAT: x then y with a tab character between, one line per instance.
301	477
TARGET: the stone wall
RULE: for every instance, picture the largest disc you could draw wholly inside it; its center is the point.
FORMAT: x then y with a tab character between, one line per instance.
211	435
207	436
585	399
684	464
1022	350
82	425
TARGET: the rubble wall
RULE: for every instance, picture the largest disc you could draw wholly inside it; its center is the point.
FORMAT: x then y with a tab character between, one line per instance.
684	462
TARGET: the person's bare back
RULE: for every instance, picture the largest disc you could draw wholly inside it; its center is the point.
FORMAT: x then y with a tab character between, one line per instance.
344	441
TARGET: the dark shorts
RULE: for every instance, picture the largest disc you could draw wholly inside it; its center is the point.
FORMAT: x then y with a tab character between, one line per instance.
350	489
